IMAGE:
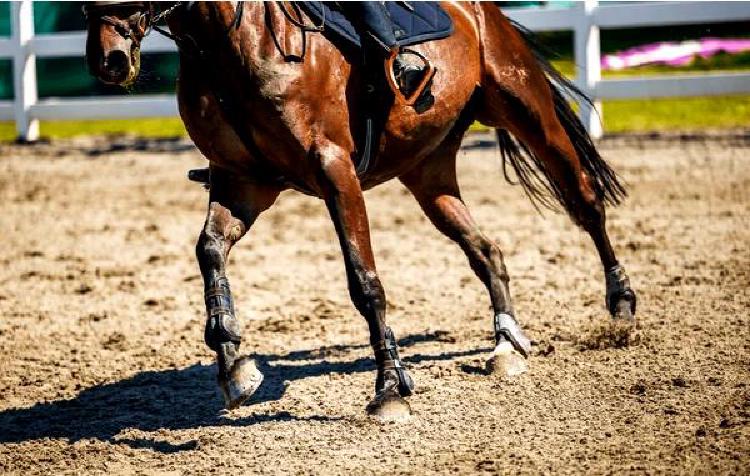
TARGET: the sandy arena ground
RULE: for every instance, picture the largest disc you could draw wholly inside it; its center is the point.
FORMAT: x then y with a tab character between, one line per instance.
104	369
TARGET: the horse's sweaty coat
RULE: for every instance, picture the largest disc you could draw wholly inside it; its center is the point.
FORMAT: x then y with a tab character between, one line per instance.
266	124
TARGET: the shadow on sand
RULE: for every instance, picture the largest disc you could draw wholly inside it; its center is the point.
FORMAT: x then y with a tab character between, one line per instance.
184	399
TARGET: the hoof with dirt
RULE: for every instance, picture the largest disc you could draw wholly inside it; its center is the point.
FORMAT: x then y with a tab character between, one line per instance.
244	379
388	406
505	361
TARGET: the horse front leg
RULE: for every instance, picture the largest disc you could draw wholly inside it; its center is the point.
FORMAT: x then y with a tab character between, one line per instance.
343	197
234	204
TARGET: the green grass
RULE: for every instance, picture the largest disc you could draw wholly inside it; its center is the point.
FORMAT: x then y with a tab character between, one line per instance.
143	127
677	113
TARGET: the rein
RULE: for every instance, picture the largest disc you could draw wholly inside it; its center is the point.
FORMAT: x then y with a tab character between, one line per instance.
300	23
162	16
153	24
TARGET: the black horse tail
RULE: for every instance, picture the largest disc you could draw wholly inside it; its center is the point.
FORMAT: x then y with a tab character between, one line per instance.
530	171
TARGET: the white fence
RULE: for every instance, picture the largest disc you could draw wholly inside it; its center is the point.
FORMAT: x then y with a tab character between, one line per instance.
585	20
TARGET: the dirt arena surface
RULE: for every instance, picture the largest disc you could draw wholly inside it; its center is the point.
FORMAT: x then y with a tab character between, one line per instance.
105	371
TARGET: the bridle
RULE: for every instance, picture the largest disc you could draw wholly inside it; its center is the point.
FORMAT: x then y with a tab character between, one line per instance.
137	25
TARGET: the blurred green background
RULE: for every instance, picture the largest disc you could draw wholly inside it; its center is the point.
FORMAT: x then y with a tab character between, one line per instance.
66	77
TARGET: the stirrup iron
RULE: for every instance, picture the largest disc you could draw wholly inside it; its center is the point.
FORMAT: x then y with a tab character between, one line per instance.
390	75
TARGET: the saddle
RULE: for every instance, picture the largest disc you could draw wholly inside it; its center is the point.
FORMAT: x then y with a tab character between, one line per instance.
412	23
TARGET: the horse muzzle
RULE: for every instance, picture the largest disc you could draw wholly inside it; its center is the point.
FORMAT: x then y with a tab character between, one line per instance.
117	66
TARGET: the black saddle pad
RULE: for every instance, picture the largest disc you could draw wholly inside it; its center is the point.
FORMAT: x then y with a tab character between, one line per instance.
416	22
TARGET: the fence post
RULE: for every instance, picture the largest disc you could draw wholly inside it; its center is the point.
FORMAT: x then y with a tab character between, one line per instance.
24	69
588	62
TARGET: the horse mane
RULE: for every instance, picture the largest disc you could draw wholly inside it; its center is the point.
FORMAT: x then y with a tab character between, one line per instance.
530	170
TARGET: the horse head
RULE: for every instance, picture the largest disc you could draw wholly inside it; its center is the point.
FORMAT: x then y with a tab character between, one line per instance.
115	32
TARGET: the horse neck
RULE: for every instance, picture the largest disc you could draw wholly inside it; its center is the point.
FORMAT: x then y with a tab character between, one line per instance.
261	34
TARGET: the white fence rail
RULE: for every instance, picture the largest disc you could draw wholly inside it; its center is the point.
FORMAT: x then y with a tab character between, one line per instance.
585	20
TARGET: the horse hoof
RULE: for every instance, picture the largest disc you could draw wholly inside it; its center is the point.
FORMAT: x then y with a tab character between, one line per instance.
389	406
505	361
244	379
624	311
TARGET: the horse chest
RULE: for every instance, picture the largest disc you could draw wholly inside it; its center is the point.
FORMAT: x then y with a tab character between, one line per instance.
275	80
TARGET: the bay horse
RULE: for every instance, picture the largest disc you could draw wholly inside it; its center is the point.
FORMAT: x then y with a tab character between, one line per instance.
268	121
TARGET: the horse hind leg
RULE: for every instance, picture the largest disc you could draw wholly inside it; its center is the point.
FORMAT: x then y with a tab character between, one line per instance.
561	159
558	162
433	183
233	207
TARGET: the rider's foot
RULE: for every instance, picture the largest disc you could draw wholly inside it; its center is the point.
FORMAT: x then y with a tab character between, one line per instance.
408	77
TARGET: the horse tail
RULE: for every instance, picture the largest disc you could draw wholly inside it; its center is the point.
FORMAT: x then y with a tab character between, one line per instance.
530	171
